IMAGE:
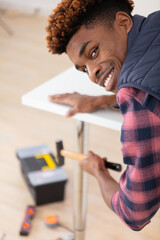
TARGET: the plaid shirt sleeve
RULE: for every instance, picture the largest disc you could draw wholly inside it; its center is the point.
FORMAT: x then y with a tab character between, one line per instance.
138	197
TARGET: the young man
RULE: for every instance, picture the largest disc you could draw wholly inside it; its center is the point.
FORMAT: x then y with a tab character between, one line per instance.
122	54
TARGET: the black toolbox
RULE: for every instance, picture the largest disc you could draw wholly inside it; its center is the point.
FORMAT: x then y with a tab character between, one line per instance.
43	174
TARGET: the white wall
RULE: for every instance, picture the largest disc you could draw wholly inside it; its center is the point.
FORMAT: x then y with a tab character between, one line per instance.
44	7
142	7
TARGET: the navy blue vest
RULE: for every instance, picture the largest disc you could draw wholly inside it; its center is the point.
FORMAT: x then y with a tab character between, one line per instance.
141	68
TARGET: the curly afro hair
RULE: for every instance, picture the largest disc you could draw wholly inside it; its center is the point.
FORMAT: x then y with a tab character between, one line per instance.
70	15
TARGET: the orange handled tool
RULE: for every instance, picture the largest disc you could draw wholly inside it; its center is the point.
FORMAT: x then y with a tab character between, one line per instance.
61	153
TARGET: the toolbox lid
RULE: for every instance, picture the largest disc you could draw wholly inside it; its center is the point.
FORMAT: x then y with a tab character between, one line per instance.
37	178
32	151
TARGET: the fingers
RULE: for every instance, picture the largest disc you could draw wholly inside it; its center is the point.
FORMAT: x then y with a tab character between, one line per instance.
93	164
71	112
61	96
79	103
66	98
92	154
58	96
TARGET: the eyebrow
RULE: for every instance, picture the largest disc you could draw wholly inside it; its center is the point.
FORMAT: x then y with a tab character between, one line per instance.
82	51
83	48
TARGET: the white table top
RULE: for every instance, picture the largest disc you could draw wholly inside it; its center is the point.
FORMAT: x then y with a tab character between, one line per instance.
68	82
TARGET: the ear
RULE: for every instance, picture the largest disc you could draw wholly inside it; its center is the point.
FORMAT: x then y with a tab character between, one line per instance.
124	21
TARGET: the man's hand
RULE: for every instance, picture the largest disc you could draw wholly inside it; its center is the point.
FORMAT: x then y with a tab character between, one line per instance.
83	103
93	164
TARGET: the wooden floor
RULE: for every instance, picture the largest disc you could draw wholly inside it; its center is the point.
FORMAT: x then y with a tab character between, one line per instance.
24	64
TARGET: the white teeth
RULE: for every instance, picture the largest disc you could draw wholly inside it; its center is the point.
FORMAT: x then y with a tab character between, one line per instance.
108	79
106	82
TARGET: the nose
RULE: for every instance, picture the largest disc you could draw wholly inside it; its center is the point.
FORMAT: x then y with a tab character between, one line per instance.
94	72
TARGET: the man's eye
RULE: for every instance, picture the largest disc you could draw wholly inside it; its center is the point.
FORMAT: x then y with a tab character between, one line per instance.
84	69
93	53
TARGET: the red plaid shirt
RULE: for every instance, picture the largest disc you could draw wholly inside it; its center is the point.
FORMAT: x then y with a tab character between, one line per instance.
138	197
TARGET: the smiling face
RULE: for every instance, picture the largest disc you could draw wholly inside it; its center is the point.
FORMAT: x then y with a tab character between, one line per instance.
100	51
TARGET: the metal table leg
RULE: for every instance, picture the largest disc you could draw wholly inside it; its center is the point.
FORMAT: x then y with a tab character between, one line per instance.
80	183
